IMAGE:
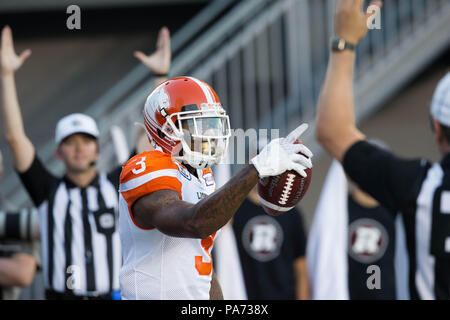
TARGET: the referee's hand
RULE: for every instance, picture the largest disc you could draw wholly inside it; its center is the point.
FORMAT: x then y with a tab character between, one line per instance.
10	61
159	61
351	20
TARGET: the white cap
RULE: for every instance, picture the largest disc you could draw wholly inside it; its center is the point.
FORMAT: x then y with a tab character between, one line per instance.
75	123
440	105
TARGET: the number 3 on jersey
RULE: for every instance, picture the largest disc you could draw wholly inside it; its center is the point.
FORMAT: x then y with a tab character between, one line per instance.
142	166
205	268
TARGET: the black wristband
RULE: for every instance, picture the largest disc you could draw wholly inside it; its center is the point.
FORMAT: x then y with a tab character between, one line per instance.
160	74
339	44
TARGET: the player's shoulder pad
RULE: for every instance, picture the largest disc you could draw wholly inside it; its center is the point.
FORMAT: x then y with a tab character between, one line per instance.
146	162
148	172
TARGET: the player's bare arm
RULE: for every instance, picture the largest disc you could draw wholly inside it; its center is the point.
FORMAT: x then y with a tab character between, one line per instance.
21	146
336	129
215	293
165	211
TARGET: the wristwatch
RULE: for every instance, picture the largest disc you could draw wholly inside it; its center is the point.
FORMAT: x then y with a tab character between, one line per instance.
339	44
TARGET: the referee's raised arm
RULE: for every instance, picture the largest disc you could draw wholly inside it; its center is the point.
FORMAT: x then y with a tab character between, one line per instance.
336	129
21	146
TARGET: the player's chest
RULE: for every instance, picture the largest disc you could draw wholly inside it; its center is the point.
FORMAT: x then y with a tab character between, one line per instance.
195	189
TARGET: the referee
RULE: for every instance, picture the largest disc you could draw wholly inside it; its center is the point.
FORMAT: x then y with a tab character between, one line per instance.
78	215
416	188
81	255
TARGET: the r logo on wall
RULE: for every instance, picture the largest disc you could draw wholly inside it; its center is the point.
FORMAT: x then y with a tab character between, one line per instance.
368	240
262	238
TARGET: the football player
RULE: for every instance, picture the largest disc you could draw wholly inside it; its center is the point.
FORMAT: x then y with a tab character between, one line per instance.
170	211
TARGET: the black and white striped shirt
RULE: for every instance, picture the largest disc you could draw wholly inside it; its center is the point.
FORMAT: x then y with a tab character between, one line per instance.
421	192
79	237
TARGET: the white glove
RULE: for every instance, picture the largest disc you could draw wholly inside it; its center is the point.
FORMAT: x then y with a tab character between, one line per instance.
281	155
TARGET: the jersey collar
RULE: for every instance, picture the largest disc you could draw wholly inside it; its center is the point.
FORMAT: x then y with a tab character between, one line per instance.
71	185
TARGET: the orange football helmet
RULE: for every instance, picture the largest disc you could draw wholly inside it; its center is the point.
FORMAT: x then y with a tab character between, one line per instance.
184	117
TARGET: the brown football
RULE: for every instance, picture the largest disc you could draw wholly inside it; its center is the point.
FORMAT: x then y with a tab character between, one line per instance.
281	193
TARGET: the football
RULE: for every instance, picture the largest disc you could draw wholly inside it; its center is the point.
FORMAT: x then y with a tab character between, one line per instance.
281	193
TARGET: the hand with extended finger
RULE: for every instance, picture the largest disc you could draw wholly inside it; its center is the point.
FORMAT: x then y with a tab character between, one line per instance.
282	154
284	167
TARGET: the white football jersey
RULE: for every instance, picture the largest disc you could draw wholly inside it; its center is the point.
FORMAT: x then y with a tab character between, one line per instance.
155	265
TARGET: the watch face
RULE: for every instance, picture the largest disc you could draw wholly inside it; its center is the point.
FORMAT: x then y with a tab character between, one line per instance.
335	44
339	44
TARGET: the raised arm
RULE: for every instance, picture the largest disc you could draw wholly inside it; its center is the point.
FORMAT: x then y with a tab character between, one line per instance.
21	146
336	129
159	61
